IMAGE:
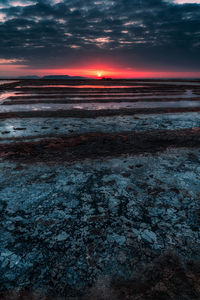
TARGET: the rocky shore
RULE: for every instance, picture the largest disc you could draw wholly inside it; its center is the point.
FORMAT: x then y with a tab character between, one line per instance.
99	204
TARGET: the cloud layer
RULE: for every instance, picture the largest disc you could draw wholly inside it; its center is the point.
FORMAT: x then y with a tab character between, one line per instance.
140	34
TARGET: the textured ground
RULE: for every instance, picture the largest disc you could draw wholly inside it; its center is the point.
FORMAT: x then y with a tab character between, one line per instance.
62	226
100	208
14	129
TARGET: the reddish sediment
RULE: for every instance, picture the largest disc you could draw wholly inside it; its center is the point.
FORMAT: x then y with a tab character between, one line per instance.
94	145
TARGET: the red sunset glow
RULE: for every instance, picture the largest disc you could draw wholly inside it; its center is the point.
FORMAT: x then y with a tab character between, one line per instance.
95	71
117	73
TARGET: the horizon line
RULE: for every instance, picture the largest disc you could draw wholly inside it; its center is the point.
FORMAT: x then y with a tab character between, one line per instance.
28	77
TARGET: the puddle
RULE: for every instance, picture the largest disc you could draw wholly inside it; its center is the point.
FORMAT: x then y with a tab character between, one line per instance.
168	82
2	82
84	94
97	98
84	86
6	95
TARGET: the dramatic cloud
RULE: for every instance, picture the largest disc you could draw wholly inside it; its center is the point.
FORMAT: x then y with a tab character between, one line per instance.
140	34
15	3
186	1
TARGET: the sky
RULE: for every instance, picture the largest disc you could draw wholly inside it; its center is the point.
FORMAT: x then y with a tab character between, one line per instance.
94	38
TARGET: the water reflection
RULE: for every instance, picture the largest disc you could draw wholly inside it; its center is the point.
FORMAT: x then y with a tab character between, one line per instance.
84	86
42	98
2	82
6	95
99	106
168	82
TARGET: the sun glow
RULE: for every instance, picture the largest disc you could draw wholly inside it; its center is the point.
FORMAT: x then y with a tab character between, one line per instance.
99	74
10	68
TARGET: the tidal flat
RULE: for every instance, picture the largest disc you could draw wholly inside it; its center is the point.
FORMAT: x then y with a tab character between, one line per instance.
98	202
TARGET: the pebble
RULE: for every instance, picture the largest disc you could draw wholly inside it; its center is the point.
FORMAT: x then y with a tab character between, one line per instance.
62	237
149	236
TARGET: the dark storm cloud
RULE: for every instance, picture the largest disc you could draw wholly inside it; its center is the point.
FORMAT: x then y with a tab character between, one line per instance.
145	33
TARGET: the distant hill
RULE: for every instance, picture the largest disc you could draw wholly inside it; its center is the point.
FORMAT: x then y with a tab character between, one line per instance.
62	77
51	77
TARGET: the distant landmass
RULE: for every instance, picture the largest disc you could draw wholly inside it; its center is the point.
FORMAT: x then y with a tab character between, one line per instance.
63	77
52	77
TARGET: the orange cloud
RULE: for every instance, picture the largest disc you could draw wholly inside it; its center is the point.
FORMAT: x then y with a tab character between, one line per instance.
10	61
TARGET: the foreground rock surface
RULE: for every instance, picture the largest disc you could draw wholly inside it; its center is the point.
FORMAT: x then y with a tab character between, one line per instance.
35	128
65	226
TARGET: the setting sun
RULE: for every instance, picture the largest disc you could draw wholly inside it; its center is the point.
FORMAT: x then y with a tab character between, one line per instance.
99	74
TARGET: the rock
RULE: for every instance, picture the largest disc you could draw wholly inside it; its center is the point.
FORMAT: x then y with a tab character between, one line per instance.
44	176
18	219
135	232
116	238
14	260
62	237
149	236
5	263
